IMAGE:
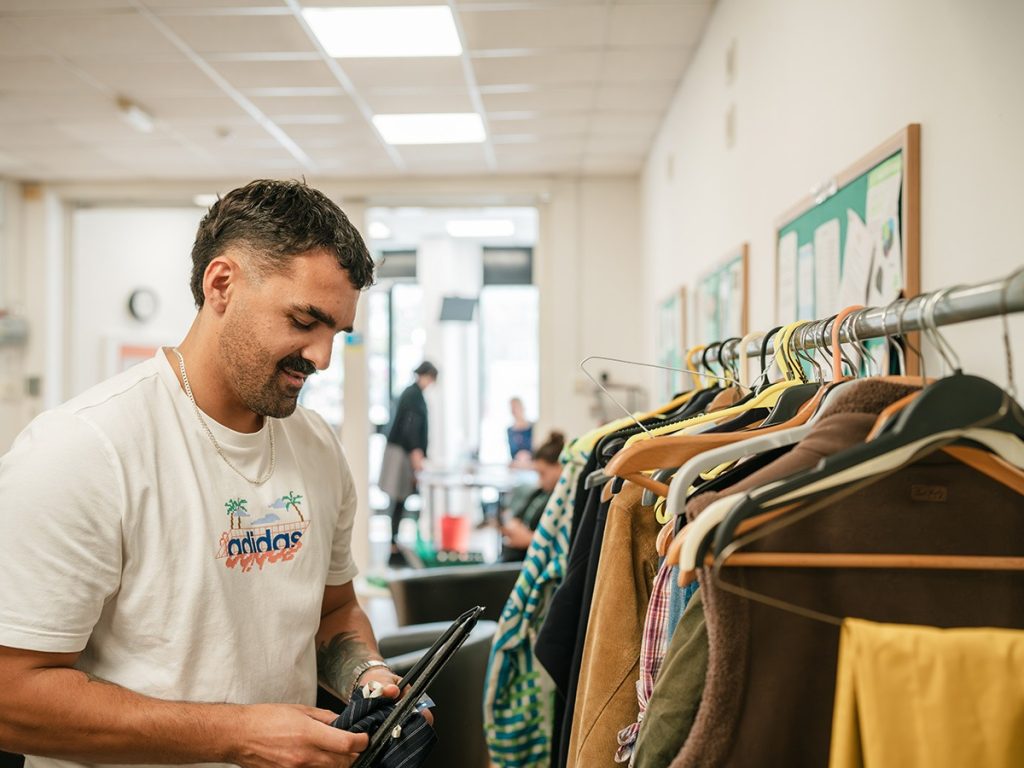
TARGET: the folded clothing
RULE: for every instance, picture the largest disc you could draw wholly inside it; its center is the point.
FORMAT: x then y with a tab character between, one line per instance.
912	696
411	742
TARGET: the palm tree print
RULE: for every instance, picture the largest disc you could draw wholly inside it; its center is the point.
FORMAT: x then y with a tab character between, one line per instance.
292	500
233	506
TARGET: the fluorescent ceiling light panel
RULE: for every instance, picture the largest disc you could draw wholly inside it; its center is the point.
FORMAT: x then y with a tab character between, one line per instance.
440	128
379	230
481	228
385	32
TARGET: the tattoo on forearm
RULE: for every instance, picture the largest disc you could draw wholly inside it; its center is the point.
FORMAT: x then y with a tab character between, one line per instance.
337	659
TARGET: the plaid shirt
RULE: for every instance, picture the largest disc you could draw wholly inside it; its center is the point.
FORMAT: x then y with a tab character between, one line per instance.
653	646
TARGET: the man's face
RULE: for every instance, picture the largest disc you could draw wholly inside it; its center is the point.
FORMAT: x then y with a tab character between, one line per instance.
278	331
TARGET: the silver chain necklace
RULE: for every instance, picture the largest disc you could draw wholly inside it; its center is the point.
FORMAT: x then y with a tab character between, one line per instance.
209	433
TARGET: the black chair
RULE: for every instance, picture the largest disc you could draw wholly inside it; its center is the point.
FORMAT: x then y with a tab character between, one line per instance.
457	691
441	594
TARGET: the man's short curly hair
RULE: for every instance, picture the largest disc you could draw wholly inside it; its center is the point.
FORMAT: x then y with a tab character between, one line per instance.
274	221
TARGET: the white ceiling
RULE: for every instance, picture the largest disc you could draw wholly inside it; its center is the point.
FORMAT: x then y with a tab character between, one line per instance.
240	88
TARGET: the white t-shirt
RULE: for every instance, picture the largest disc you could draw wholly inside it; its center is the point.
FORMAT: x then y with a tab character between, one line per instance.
127	537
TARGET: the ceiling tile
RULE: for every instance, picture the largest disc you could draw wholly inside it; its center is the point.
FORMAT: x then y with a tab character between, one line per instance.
27	135
540	27
387	73
70	6
645	65
323	136
104	132
676	24
122	34
37	74
226	135
617	145
138	78
230	34
527	159
540	99
277	107
390	101
13	41
556	125
445	159
616	164
205	108
41	107
167	5
247	75
543	68
149	153
655	96
625	122
344	161
346	3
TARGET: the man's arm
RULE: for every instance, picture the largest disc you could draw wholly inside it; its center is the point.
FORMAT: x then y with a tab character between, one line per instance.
49	708
344	641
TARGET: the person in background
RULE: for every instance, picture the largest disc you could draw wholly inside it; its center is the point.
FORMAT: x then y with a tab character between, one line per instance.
527	503
406	449
520	435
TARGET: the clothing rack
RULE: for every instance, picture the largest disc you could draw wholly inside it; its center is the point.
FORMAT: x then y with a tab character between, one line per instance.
951	306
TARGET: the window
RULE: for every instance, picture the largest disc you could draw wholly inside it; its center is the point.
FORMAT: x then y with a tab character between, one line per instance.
509	355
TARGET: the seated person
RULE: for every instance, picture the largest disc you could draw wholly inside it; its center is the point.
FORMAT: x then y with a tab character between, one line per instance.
527	503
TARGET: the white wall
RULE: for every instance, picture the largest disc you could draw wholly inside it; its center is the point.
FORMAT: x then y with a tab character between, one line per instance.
114	252
818	84
589	270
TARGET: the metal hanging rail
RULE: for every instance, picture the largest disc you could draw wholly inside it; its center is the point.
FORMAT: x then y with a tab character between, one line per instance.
950	306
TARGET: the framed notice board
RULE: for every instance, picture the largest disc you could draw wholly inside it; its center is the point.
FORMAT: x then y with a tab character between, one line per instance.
856	239
720	299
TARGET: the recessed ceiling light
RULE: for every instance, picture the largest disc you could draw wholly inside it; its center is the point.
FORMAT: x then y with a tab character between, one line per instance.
481	228
135	116
379	230
385	32
205	201
441	128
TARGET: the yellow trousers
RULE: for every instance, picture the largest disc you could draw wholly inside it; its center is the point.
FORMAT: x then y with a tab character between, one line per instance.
909	696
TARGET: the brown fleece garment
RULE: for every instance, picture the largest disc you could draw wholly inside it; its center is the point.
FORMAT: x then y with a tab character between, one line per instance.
770	681
606	694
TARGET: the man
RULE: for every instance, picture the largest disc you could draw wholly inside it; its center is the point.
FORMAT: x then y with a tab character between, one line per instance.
177	574
406	449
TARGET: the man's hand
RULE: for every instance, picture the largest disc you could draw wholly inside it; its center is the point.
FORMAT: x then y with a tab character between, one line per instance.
294	736
390	682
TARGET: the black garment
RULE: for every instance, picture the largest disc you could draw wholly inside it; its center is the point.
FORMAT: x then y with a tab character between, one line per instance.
410	749
587	595
740	421
556	639
409	426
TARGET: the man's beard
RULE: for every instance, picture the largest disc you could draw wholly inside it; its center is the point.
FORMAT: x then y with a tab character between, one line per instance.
256	382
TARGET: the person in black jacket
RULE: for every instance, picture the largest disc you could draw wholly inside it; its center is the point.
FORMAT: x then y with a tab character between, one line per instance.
406	448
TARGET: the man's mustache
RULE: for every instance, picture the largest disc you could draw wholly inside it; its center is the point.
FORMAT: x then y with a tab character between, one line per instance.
298	364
